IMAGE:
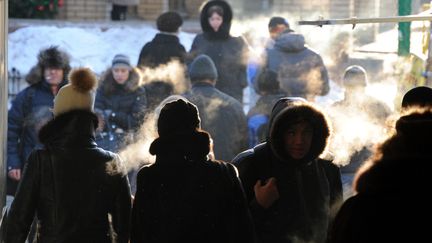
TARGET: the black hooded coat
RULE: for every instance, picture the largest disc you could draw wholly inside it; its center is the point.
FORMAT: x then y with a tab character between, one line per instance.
228	53
307	188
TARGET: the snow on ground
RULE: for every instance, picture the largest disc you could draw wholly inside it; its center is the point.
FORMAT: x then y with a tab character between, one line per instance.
90	46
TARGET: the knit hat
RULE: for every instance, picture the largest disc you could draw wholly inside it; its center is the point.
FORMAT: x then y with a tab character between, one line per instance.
169	22
418	96
178	117
121	60
78	94
355	76
202	68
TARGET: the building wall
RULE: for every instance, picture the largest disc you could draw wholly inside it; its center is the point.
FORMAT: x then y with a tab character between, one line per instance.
85	10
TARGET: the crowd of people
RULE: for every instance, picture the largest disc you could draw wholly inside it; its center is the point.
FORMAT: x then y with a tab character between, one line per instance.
220	174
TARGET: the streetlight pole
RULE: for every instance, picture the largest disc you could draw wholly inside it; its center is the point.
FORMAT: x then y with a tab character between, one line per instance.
3	104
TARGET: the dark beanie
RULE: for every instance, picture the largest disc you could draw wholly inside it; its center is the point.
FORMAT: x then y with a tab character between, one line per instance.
178	117
202	68
169	22
418	96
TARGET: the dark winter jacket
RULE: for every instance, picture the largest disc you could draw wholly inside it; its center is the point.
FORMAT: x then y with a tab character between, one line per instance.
123	106
29	111
228	53
67	186
259	116
184	197
307	188
223	117
301	70
388	203
161	50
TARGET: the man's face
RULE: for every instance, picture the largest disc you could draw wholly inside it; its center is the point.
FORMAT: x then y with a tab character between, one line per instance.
53	76
275	31
298	140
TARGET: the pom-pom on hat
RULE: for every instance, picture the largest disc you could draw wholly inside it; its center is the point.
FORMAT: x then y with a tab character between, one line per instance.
79	93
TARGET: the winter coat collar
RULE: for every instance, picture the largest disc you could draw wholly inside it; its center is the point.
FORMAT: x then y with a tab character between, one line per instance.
290	42
109	85
224	30
288	108
71	129
166	38
202	85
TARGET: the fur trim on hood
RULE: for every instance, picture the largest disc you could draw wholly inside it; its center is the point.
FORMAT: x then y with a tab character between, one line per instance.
224	30
69	127
108	84
400	162
290	109
50	57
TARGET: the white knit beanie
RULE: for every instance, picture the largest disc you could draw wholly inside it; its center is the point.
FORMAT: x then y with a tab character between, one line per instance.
79	93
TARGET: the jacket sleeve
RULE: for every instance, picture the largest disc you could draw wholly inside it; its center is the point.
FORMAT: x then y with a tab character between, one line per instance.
133	119
100	104
23	208
143	54
138	230
344	224
325	87
122	211
241	223
242	72
16	119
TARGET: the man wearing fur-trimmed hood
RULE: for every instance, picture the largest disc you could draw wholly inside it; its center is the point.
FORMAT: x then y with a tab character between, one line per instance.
30	109
289	188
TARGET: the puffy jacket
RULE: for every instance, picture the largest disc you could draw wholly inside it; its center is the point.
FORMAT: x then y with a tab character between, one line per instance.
29	111
223	117
228	53
67	186
308	188
301	71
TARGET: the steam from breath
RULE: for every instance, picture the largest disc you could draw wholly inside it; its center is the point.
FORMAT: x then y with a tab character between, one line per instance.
358	124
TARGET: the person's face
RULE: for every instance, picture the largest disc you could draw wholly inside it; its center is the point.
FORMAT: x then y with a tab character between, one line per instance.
298	140
53	76
277	30
215	21
121	74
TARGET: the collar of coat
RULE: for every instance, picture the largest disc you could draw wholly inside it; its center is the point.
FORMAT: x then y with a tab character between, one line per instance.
75	128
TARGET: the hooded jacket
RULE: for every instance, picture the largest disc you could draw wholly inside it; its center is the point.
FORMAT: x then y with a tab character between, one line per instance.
228	53
389	201
301	71
308	188
30	110
67	186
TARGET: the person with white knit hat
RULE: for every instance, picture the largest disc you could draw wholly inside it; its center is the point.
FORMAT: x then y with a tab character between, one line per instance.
67	183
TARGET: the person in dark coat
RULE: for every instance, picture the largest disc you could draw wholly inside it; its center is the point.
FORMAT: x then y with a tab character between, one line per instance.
120	102
388	202
420	96
67	183
357	102
221	115
291	191
157	91
30	110
301	71
165	46
267	86
184	196
228	53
